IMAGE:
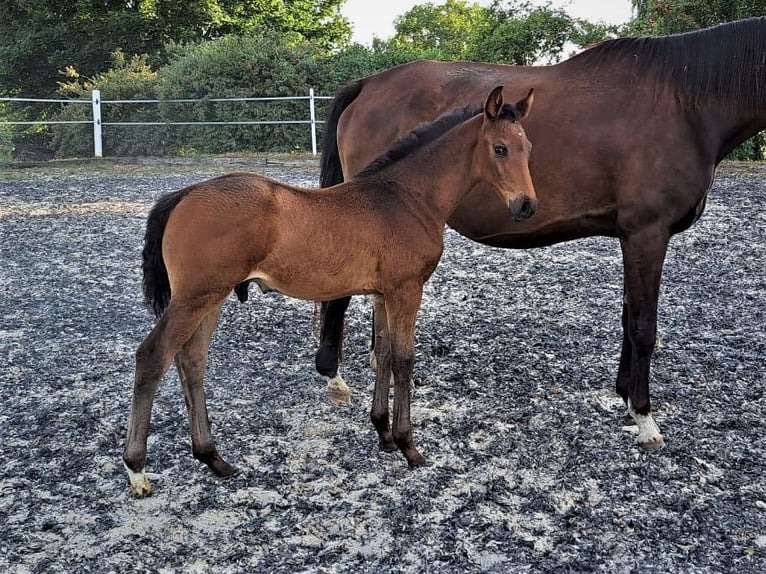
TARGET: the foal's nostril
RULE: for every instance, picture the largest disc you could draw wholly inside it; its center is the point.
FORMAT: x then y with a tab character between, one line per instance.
524	209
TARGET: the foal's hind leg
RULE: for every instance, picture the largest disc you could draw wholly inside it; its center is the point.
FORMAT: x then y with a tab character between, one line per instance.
379	412
153	358
191	362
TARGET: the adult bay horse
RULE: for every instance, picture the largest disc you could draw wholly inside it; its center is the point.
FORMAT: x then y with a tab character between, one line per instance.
627	137
379	234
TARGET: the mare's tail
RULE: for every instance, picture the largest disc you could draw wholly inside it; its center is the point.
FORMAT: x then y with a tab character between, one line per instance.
331	171
331	333
156	282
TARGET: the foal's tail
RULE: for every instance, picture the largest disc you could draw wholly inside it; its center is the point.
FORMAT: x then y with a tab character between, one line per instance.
331	170
156	282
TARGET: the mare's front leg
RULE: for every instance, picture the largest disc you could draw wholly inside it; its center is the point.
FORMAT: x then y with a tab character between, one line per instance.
153	358
191	363
643	257
402	308
379	414
327	358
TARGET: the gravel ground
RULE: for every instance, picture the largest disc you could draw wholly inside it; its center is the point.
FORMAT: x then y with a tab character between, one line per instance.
530	467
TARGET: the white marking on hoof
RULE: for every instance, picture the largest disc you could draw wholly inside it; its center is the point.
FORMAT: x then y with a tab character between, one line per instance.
139	483
338	390
649	437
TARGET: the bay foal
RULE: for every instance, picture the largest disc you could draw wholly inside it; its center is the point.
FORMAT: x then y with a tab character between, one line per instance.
380	234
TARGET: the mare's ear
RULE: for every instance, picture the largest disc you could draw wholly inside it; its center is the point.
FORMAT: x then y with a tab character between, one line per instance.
524	104
494	104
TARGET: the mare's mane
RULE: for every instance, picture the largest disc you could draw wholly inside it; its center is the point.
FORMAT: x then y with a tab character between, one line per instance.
428	132
725	61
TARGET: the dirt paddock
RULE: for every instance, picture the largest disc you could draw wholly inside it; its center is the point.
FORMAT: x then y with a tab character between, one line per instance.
530	468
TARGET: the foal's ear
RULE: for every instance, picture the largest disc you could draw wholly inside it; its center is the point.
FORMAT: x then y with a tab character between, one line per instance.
494	104
524	104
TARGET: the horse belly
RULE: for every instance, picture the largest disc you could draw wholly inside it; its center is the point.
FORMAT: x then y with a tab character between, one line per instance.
315	283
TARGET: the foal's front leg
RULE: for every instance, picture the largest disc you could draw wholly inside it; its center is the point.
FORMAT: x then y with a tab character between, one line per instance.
402	309
379	413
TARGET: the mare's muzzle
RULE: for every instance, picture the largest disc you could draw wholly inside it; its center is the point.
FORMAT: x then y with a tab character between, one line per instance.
522	208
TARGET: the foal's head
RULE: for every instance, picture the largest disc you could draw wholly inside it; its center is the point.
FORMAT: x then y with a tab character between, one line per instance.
501	160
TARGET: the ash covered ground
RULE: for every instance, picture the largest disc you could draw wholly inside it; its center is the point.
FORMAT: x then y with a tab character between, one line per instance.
530	468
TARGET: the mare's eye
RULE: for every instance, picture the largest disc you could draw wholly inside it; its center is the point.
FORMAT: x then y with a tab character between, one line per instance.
501	150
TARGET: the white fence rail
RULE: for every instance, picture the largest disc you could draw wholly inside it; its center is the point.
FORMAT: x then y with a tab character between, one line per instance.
98	122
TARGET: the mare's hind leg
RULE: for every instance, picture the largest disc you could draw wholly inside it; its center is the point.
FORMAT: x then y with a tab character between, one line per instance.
191	362
402	309
327	357
153	358
379	413
643	256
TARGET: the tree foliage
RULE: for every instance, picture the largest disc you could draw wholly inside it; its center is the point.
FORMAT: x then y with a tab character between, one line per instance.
511	32
39	38
519	34
451	29
662	17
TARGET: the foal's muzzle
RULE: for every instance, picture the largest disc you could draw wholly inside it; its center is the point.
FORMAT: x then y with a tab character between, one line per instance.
522	208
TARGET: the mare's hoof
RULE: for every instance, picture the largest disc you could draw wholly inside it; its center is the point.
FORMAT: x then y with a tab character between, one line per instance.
140	487
338	391
651	443
647	433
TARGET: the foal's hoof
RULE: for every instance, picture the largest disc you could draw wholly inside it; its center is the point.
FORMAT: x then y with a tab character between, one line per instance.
414	458
338	391
387	445
220	467
140	487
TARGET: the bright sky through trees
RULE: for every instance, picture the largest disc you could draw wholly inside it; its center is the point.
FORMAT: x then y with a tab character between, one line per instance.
370	19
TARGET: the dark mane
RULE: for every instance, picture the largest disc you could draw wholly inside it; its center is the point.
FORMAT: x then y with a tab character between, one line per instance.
424	134
723	61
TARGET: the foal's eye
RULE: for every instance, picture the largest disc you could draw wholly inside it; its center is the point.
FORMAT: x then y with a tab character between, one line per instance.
501	150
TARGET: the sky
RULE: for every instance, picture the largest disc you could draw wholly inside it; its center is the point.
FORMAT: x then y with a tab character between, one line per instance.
376	18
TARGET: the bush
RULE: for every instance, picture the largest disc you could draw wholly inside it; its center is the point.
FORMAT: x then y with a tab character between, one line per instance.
127	80
753	149
259	65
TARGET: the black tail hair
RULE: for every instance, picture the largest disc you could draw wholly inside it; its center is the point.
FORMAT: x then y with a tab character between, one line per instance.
156	282
331	171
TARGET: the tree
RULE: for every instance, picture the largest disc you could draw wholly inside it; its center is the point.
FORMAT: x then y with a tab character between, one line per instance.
524	35
451	29
39	38
662	17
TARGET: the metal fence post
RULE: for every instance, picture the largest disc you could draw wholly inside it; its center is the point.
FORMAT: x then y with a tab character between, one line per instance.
96	102
313	122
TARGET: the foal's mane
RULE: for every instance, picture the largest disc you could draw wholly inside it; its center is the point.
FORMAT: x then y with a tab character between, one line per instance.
725	61
428	132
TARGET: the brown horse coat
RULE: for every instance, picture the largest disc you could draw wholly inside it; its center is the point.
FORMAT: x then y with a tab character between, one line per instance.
381	234
627	136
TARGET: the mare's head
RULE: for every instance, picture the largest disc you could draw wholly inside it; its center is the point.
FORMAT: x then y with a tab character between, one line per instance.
501	159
